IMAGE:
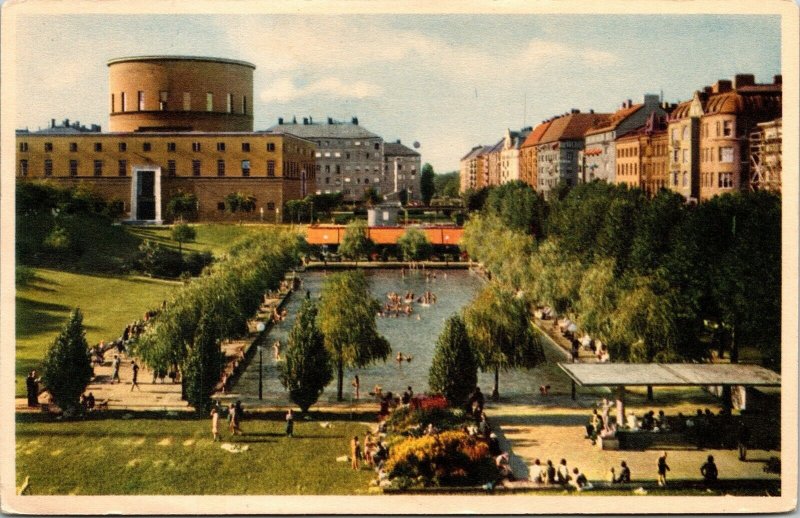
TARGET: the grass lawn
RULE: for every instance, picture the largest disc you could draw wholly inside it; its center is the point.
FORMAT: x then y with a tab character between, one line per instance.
175	455
109	303
214	237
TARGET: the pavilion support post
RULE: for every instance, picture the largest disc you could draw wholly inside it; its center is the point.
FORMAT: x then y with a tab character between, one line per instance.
620	406
649	392
573	391
727	398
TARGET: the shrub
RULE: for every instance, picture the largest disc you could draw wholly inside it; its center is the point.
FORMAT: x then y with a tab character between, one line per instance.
66	366
454	369
182	206
58	239
194	262
23	275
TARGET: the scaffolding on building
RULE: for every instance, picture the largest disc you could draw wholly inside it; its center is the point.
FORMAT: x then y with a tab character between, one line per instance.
765	157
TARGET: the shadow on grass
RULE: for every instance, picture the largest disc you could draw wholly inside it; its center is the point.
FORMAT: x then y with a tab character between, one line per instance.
35	317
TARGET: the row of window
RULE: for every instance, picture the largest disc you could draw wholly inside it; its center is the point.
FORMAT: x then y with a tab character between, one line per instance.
347	179
346	143
146	146
627	152
347	155
627	169
724	180
164	102
723	154
122	167
722	129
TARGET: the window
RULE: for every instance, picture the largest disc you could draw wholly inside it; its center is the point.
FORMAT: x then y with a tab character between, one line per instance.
220	167
327	180
726	155
23	168
112	103
270	167
377	146
718	128
98	147
140	97
48	167
685	156
98	168
163	96
346	155
685	178
23	146
171	146
270	205
123	146
146	146
685	132
245	167
244	104
73	147
196	147
328	169
727	128
124	101
338	169
271	146
195	167
122	168
170	167
187	101
246	147
725	180
229	105
357	143
73	168
221	205
209	102
220	146
318	154
48	147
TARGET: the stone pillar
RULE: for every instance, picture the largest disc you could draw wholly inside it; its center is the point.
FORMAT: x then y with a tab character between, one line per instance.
620	400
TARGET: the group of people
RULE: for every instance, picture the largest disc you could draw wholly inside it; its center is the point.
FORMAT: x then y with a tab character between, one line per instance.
397	305
88	402
560	475
235	414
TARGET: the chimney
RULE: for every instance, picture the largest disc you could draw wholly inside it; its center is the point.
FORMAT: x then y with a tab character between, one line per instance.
78	124
398	141
330	120
294	119
707	89
310	120
355	121
777	80
280	121
591	110
52	123
630	103
740	80
574	110
66	123
721	86
305	121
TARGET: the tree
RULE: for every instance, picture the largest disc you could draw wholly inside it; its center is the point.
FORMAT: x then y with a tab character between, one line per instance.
325	203
203	366
182	206
347	320
297	211
414	245
474	200
498	326
182	233
454	370
355	243
426	184
67	369
447	185
307	369
519	207
239	202
371	197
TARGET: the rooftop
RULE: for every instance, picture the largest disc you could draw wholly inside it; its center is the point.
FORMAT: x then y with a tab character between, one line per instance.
669	374
397	149
126	59
572	126
536	135
309	129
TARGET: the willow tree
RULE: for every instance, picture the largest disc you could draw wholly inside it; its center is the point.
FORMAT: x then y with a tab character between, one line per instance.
355	242
414	245
499	328
347	320
598	299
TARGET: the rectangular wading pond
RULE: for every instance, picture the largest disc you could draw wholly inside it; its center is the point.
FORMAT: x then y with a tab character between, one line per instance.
415	336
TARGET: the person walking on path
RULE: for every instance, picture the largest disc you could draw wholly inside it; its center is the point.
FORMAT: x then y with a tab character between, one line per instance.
134	380
662	469
709	471
355	452
743	438
115	372
289	423
215	423
32	386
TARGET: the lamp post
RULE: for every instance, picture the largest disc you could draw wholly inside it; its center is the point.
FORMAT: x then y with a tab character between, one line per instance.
260	373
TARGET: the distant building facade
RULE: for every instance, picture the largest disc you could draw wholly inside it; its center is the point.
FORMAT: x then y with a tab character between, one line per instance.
766	144
509	154
401	167
468	173
527	155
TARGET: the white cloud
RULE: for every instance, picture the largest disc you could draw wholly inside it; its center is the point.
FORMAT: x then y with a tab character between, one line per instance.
285	90
547	52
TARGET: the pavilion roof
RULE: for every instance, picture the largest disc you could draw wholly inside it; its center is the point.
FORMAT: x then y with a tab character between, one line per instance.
669	374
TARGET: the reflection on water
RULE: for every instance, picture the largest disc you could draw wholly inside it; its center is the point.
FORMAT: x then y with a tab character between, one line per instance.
412	336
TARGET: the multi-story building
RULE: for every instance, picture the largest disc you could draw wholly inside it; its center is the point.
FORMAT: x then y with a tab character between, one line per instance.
509	154
179	124
765	156
401	167
483	160
350	158
684	141
599	155
468	174
641	156
731	113
527	154
557	151
493	163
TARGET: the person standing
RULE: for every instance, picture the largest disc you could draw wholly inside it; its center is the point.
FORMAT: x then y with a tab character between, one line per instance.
743	438
709	471
289	423
232	419
357	386
32	386
134	380
355	452
215	423
238	416
115	366
662	469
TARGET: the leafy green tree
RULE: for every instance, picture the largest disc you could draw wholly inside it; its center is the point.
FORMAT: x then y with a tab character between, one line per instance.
426	184
240	202
414	245
447	185
657	222
203	366
325	203
371	197
297	211
307	369
475	199
182	206
519	207
454	370
183	233
498	326
355	243
67	369
347	320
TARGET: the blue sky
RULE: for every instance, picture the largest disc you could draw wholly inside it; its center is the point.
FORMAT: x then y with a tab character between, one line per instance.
447	81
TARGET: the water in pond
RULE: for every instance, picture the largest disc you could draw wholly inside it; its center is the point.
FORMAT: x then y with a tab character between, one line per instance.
412	336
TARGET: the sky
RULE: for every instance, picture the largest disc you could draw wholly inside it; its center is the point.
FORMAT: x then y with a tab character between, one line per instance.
449	82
